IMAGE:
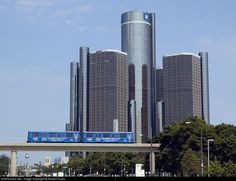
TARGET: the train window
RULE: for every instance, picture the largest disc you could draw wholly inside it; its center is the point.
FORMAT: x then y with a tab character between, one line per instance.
69	135
123	135
35	134
61	135
52	134
113	135
44	134
106	135
89	135
97	135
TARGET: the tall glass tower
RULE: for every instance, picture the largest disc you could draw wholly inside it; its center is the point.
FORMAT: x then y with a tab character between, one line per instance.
74	99
181	87
108	90
138	41
83	88
205	86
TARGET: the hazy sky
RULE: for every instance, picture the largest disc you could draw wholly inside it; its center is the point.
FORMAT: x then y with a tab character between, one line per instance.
39	39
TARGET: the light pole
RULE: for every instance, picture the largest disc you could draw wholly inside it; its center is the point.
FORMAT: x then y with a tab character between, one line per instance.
208	158
202	166
104	169
151	159
188	122
17	164
27	165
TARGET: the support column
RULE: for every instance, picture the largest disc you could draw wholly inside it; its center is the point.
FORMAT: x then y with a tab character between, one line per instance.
13	164
152	163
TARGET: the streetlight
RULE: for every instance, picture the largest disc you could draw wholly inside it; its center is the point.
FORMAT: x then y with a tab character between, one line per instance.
151	159
208	159
27	165
201	155
188	122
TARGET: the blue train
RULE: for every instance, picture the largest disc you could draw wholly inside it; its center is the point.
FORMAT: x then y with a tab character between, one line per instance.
77	137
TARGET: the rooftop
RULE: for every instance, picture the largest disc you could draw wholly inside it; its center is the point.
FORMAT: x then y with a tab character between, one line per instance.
110	50
183	53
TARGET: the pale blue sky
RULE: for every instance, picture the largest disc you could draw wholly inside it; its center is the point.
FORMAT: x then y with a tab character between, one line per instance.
39	39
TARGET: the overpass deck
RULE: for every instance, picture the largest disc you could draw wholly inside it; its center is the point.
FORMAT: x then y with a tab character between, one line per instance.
93	147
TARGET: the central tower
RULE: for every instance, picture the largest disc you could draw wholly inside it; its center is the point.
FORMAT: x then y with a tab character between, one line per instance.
138	41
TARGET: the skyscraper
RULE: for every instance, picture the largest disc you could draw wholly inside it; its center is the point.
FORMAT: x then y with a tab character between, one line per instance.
159	123
79	92
181	87
138	41
205	86
83	90
159	84
99	91
108	90
74	99
73	125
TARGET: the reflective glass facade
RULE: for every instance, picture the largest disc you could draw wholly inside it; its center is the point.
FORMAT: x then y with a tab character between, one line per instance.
138	40
159	117
132	117
205	86
159	84
74	124
108	90
83	88
159	102
74	99
99	91
181	87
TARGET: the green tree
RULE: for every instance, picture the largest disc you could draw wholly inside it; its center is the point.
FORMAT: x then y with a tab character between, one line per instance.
224	147
106	163
177	138
95	162
215	169
132	159
229	169
78	165
4	164
190	163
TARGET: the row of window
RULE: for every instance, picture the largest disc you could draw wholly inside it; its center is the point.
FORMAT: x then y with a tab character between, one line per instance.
36	134
71	135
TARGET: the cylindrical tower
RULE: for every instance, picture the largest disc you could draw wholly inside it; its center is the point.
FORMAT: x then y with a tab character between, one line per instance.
205	86
83	88
74	100
138	41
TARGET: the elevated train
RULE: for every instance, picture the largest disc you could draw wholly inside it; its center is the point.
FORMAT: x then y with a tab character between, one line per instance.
78	137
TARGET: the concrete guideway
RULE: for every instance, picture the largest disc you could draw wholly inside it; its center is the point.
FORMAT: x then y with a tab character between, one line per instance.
88	147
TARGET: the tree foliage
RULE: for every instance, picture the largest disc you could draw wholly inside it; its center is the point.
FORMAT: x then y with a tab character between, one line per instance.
190	163
229	169
224	147
182	140
215	168
4	164
106	163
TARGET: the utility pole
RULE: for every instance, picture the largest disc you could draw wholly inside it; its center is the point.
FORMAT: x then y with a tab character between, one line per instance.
208	157
201	155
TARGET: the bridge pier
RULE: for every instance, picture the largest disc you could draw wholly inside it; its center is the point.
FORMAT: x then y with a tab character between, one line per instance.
13	164
152	163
